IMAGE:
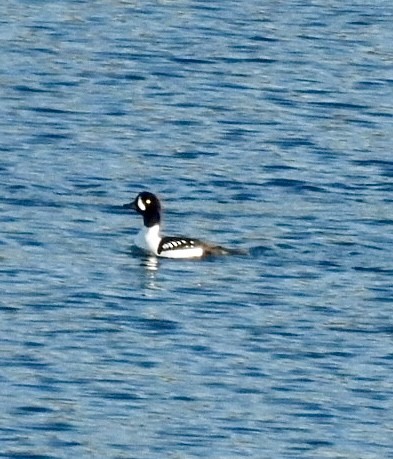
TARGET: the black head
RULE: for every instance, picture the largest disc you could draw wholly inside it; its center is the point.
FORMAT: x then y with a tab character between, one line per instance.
148	205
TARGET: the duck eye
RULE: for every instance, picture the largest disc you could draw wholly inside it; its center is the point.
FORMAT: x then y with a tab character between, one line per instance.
148	201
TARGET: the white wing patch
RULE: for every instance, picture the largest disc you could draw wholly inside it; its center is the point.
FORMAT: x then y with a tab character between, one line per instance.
180	248
181	244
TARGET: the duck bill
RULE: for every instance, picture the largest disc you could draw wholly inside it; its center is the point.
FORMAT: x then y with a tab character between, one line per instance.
130	205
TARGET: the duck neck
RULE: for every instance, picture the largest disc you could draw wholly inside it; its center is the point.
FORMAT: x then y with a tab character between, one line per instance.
151	219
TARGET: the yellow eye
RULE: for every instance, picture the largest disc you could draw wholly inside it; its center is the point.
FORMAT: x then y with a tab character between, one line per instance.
148	201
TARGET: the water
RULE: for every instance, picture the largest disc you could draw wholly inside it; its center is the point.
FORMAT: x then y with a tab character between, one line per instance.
262	125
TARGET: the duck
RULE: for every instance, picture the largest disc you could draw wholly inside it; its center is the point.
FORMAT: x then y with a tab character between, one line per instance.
150	240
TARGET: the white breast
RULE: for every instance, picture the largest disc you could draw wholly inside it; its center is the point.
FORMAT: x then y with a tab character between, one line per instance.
148	239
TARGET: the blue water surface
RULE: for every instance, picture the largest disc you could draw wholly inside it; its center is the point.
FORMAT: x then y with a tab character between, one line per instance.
264	126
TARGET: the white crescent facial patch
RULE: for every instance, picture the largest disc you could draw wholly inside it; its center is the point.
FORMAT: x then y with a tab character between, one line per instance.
140	204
